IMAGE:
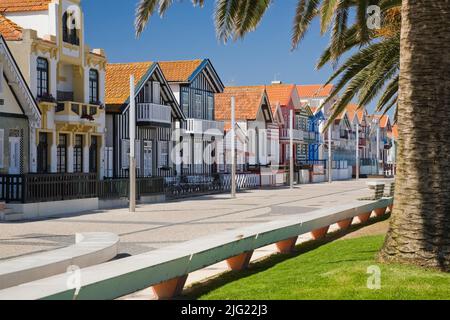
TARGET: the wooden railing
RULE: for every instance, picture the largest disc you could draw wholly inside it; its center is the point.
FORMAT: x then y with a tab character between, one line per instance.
285	134
199	126
152	112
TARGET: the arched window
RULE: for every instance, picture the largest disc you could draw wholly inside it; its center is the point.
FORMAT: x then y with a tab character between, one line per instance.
93	86
42	77
69	29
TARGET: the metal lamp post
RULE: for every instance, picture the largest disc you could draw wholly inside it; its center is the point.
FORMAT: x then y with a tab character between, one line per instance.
132	146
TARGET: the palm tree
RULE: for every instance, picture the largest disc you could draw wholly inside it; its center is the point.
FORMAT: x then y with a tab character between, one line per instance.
419	232
420	225
373	71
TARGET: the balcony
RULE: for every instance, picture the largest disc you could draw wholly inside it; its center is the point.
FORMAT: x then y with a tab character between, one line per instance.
153	114
76	113
199	126
285	135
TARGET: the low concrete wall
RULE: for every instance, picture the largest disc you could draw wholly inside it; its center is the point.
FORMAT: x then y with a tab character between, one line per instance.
90	249
158	198
303	176
50	209
121	277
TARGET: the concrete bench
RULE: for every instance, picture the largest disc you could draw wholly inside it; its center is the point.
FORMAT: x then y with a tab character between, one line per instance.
166	270
90	249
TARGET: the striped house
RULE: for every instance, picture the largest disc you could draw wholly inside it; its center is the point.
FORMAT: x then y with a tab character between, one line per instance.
157	116
194	84
254	117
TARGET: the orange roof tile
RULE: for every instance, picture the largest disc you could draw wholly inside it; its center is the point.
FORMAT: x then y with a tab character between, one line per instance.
24	5
9	30
117	87
179	71
248	102
316	90
352	110
395	131
279	93
384	120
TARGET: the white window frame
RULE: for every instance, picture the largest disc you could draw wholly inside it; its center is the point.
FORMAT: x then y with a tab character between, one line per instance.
156	88
125	150
163	157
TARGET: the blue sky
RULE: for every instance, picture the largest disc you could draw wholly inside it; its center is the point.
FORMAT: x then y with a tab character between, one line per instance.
187	33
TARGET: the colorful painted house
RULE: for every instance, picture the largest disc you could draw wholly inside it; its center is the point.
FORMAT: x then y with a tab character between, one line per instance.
381	141
157	117
19	115
314	96
194	84
46	38
284	99
255	118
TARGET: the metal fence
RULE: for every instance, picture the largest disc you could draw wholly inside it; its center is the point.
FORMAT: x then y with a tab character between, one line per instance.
32	188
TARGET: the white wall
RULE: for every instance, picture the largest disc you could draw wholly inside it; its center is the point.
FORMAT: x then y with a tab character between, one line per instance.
36	20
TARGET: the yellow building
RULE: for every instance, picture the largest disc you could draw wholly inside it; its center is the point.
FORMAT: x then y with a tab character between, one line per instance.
67	79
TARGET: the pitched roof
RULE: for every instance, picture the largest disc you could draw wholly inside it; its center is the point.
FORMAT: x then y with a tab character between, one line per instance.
280	93
248	102
117	87
352	110
315	90
179	71
395	131
384	120
24	5
10	30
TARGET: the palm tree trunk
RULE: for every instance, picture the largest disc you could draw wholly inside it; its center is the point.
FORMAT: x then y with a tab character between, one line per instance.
420	227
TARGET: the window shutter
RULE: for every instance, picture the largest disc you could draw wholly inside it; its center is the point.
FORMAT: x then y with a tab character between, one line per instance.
156	92
125	154
2	146
137	149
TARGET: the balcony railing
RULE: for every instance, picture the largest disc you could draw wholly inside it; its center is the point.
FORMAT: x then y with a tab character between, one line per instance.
285	134
199	126
76	112
153	113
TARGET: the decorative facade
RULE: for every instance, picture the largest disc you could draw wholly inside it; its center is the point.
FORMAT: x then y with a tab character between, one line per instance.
19	116
67	79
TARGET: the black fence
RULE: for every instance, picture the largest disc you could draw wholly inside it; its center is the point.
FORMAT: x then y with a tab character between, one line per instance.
31	188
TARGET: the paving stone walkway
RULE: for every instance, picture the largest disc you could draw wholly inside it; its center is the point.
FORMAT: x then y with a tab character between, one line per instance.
158	225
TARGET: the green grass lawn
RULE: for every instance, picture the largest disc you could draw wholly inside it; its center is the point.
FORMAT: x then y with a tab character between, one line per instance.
337	270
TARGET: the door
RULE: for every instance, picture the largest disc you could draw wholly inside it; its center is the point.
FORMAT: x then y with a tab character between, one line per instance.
14	155
148	158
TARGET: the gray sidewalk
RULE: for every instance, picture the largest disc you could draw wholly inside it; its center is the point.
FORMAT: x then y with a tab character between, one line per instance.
158	225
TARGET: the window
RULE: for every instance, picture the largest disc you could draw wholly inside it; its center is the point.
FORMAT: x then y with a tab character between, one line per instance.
2	147
93	155
185	102
156	92
210	108
42	77
78	154
125	154
61	153
198	106
163	154
93	86
42	153
69	26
